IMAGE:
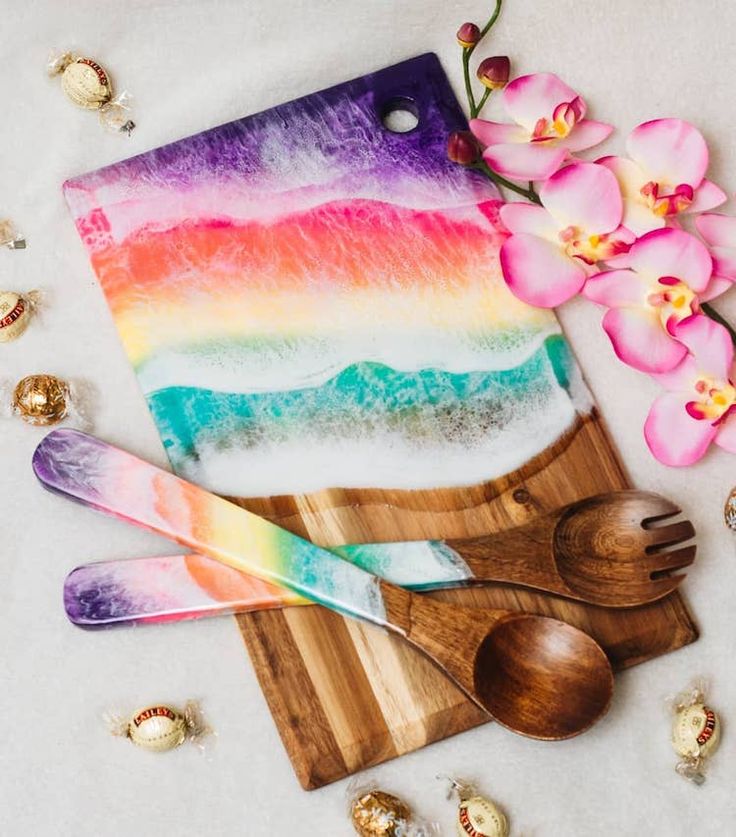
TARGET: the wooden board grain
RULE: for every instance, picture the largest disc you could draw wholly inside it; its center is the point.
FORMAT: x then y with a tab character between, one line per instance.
346	696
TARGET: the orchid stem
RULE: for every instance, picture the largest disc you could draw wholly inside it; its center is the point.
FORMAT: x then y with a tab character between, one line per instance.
467	52
475	108
483	100
530	193
714	315
468	85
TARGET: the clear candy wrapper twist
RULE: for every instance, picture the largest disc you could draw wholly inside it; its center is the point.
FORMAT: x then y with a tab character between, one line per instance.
88	85
378	813
696	731
159	727
9	236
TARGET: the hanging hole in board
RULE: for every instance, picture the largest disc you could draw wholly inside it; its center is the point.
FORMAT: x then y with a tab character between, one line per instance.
400	115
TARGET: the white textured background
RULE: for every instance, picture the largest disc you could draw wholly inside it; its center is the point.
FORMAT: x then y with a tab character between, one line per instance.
193	64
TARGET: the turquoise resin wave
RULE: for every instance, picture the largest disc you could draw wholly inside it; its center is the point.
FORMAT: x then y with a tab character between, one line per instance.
364	400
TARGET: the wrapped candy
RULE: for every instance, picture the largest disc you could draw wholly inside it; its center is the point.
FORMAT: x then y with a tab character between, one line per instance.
88	85
43	400
696	732
16	311
9	236
729	511
477	816
161	727
376	813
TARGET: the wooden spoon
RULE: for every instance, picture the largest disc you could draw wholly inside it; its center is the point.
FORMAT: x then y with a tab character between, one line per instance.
537	676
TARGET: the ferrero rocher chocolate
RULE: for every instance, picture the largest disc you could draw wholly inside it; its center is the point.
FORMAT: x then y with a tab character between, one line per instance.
158	728
479	817
16	310
41	399
379	814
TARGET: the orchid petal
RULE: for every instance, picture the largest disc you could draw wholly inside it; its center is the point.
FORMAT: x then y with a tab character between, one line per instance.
724	262
616	288
528	218
707	196
718	230
586	134
584	195
718	285
726	434
639	339
680	379
673	436
640	219
670	151
629	175
525	161
495	133
539	272
529	98
711	344
672	252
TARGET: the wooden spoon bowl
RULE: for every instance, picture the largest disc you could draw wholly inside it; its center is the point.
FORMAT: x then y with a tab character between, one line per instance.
542	676
534	675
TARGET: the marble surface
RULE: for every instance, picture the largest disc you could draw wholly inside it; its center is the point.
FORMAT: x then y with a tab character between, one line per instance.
198	63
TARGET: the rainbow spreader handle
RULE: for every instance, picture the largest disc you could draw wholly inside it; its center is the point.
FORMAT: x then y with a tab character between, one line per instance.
86	469
173	588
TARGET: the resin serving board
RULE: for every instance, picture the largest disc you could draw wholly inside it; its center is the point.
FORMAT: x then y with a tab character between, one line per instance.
315	310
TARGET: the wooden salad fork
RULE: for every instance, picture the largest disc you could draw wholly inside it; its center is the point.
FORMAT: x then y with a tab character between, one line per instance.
535	675
610	550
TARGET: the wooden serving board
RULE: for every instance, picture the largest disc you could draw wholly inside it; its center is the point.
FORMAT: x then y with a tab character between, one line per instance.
311	299
347	696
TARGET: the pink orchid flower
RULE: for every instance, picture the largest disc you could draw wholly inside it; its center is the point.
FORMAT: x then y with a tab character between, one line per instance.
553	247
550	124
719	231
668	274
700	403
665	176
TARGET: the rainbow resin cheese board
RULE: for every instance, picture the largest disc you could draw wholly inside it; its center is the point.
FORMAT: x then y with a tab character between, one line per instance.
314	307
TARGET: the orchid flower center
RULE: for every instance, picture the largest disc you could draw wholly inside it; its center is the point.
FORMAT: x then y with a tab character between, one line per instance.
675	299
591	248
664	202
715	401
564	118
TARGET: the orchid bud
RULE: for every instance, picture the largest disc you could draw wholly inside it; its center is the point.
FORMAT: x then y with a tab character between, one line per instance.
463	148
494	72
468	35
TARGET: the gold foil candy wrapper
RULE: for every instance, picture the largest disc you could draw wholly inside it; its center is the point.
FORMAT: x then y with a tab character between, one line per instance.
10	237
696	732
159	727
16	312
88	85
729	510
477	816
45	400
377	813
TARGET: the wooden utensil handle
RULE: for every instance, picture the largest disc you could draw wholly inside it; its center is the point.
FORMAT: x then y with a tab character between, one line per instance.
99	475
516	556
